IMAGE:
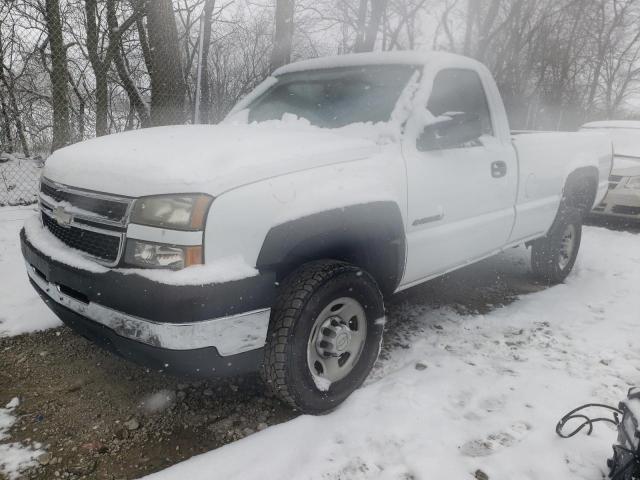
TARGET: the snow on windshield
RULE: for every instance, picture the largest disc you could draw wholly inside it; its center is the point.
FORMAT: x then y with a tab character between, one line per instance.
336	97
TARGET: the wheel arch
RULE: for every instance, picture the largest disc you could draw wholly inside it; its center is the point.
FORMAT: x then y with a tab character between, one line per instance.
370	236
581	188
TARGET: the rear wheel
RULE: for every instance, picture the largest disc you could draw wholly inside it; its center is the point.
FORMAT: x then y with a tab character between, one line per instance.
324	335
553	257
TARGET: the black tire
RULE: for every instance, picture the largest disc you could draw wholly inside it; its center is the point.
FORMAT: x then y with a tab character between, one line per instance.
549	259
304	294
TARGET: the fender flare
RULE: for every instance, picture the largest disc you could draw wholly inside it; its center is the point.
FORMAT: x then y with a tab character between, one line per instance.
370	236
581	188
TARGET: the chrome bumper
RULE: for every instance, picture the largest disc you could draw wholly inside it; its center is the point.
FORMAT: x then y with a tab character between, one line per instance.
229	335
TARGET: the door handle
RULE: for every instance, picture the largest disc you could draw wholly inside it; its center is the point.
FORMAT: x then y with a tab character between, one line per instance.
498	169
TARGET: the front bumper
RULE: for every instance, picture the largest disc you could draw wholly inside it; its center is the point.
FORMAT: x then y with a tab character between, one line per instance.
203	330
620	202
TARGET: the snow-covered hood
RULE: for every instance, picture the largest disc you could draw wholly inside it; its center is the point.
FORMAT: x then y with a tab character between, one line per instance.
201	158
626	166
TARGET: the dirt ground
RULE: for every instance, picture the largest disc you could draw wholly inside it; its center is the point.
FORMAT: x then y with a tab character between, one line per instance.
101	417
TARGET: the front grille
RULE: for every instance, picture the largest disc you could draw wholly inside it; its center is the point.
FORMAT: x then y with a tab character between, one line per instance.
626	210
94	223
108	209
96	244
614	181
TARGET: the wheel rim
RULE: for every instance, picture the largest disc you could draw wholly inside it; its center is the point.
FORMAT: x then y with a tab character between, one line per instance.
336	341
567	245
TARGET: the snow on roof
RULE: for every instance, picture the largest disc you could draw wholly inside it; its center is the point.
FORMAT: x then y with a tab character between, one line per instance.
613	124
376	58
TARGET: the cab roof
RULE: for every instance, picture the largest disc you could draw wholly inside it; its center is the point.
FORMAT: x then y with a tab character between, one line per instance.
379	58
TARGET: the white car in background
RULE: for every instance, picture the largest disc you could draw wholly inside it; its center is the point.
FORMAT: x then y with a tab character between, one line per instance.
623	197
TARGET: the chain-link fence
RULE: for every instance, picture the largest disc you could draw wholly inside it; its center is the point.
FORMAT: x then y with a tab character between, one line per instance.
19	180
77	70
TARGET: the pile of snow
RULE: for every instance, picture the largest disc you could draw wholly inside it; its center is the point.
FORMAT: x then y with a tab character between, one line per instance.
222	270
15	458
21	310
469	393
158	401
47	243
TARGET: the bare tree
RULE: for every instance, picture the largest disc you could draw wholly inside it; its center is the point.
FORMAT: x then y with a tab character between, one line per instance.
76	68
283	36
205	98
101	51
368	30
58	76
167	82
10	111
136	101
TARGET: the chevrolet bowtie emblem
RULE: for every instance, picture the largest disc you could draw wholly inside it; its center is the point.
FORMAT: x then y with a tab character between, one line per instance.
62	217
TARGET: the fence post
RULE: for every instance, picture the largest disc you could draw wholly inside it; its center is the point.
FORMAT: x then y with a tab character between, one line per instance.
196	109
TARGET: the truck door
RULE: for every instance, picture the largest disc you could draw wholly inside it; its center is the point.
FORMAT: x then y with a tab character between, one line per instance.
461	179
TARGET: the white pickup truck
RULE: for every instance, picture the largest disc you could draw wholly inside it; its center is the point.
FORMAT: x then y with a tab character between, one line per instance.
268	242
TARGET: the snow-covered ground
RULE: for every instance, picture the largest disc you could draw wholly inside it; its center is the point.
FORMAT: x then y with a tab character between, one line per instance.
14	457
463	393
20	307
492	391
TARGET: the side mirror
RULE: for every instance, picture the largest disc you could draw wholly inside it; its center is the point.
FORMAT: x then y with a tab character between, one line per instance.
449	131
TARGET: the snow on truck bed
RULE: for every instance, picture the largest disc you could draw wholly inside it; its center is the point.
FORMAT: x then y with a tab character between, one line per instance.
492	391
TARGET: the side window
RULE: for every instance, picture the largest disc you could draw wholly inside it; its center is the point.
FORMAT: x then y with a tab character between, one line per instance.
459	90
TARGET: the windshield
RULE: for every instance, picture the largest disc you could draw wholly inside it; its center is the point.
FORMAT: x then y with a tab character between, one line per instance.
336	97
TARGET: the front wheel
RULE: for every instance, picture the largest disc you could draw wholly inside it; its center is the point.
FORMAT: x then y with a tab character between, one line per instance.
553	256
324	336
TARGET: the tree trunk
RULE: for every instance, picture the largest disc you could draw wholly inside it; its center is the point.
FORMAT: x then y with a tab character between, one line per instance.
136	101
361	22
485	30
472	11
100	67
58	74
205	94
371	31
18	121
283	38
167	83
102	101
144	41
135	98
80	118
7	138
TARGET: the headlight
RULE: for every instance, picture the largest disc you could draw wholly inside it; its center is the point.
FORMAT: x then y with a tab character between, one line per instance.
633	183
177	212
155	255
